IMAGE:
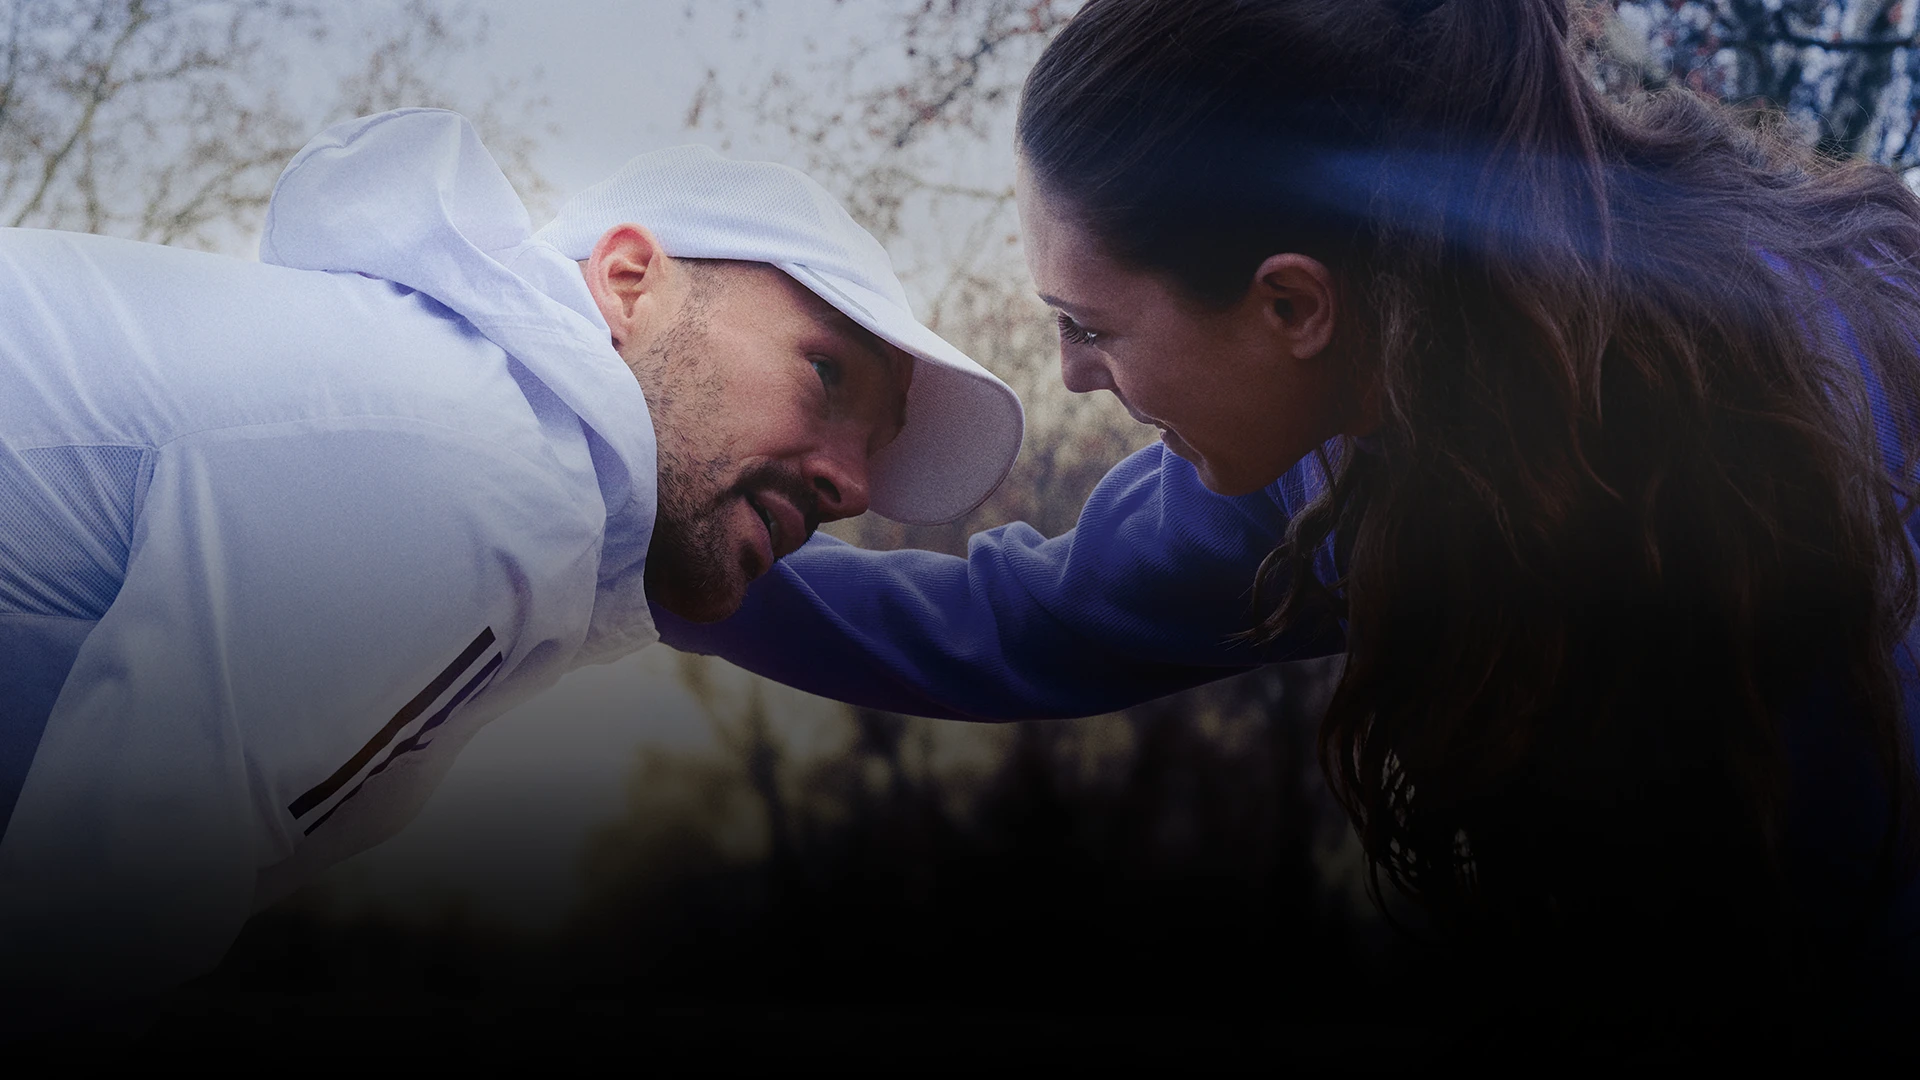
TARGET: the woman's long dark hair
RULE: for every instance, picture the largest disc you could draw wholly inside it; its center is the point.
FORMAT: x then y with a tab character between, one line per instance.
1626	535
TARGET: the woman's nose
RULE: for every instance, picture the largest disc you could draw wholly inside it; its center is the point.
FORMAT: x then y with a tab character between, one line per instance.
1083	372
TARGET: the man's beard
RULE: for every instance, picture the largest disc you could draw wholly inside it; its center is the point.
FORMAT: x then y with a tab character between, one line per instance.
688	554
694	565
694	562
691	560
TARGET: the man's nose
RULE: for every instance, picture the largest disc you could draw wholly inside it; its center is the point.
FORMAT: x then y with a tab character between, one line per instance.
1083	373
839	478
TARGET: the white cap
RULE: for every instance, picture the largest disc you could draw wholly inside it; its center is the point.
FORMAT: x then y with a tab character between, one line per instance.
963	425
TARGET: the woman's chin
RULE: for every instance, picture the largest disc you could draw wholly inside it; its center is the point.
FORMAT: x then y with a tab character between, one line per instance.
1225	483
1209	476
1226	489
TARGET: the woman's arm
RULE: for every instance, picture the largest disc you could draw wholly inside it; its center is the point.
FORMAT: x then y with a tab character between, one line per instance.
1142	598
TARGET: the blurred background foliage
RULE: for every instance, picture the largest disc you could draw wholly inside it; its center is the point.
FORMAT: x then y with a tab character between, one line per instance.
1179	860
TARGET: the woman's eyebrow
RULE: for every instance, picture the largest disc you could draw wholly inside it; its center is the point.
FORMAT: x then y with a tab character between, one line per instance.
1078	311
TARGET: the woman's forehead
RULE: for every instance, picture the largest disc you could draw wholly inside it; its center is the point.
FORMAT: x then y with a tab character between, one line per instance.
1070	267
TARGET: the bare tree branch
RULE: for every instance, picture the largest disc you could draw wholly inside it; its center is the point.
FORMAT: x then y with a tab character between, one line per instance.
933	111
160	119
100	88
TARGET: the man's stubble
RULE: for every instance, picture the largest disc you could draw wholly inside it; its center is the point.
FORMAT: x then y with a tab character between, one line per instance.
688	557
692	562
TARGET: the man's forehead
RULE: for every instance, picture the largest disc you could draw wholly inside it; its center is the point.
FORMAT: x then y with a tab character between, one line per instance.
830	318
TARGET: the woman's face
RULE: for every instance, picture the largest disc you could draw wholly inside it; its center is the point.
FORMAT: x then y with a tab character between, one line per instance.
1242	393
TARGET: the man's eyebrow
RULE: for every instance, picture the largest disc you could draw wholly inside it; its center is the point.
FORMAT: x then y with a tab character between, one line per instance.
839	323
835	321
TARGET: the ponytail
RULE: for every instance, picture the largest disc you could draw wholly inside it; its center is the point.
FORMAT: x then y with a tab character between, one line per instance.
1614	526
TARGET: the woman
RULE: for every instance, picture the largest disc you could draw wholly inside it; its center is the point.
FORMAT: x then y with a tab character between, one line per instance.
1584	431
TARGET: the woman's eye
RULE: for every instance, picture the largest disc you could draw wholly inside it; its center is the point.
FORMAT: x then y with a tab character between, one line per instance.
828	369
1072	332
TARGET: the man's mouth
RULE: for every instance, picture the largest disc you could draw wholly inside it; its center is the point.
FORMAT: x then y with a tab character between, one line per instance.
771	523
788	525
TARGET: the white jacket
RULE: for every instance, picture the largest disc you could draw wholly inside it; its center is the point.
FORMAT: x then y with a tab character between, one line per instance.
276	538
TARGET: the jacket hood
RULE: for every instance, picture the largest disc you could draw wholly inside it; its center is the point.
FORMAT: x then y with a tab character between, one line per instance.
413	197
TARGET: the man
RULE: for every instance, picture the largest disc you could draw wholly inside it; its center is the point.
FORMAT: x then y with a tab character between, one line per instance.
277	538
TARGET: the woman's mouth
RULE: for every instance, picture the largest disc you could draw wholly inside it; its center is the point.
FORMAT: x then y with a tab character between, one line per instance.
1139	416
1148	420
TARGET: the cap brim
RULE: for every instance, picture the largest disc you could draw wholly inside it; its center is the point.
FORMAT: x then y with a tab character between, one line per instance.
963	425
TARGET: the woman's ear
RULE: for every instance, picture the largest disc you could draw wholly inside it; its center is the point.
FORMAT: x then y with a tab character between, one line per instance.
629	276
1297	294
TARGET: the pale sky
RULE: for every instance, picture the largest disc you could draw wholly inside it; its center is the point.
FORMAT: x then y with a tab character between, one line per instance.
621	74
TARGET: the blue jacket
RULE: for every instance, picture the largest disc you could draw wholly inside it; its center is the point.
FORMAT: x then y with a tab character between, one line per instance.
1143	598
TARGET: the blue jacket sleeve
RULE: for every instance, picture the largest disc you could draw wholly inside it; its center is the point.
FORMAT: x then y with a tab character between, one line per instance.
1142	598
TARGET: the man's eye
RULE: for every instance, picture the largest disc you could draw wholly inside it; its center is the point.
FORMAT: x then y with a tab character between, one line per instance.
1072	332
828	369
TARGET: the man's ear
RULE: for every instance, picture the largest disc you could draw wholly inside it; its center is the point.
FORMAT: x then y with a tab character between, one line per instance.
632	281
1298	300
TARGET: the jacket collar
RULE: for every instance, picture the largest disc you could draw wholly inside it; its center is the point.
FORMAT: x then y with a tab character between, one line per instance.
413	197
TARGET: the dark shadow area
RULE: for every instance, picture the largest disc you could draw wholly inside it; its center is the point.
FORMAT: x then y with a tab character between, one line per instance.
1168	888
1156	887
